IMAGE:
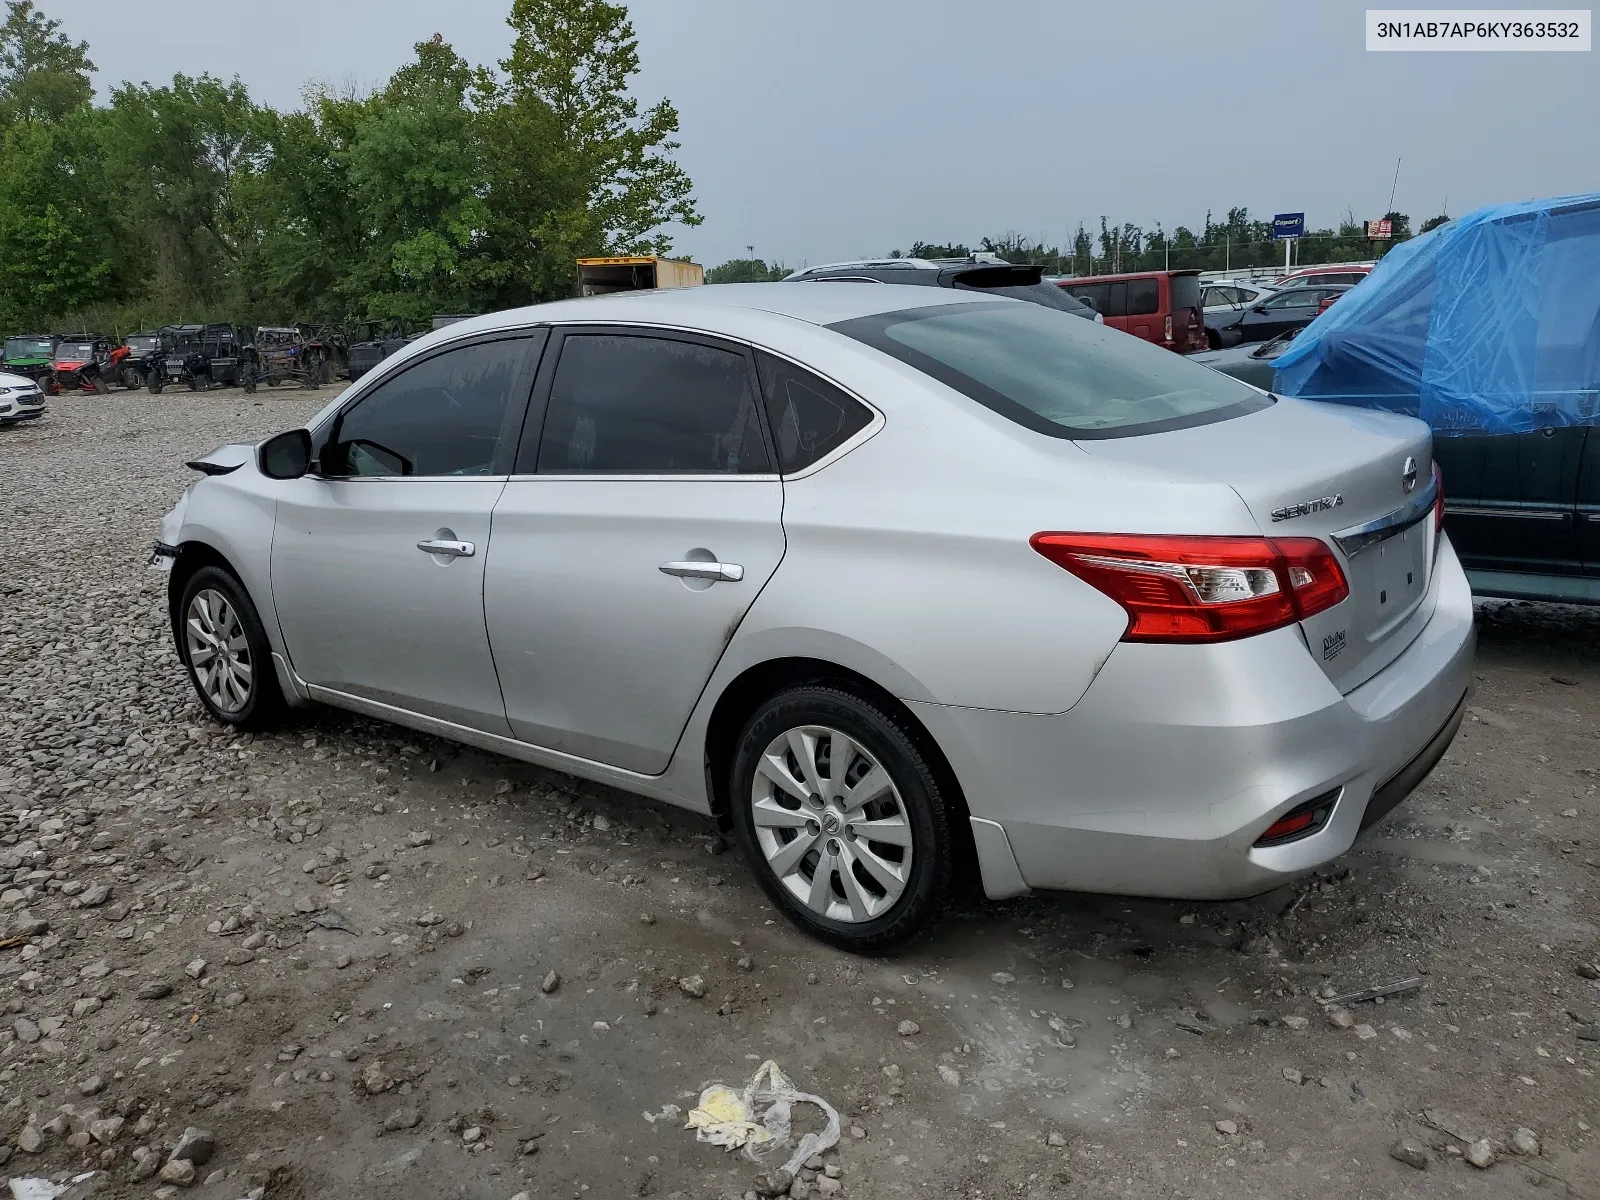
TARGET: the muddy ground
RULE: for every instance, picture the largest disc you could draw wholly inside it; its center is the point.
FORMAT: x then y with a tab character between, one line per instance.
293	940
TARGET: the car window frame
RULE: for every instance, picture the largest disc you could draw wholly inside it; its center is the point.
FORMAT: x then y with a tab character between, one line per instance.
326	433
1140	281
531	435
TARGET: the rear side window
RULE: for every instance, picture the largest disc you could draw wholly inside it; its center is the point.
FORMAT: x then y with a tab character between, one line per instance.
1144	297
1053	373
810	418
627	405
1185	290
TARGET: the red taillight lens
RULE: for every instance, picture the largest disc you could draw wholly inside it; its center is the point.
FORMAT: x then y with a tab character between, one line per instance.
1438	499
1182	588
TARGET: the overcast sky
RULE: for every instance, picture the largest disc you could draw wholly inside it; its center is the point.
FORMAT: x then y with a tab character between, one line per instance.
833	128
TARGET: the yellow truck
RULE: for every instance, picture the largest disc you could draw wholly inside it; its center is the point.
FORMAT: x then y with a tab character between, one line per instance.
598	276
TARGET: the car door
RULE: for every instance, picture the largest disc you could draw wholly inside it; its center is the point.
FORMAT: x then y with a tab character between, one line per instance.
1511	500
1280	313
378	557
643	518
1588	507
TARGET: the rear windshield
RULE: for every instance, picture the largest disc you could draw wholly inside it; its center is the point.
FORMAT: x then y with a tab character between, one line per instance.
1185	291
1054	373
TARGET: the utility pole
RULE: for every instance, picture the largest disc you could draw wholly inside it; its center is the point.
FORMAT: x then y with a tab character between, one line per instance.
1395	186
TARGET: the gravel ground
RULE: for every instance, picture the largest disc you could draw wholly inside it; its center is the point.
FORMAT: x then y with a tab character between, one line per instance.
346	960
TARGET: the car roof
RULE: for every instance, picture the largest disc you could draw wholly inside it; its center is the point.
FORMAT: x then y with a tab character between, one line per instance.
823	303
981	258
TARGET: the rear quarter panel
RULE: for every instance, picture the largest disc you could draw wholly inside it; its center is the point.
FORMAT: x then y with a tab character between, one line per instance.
908	558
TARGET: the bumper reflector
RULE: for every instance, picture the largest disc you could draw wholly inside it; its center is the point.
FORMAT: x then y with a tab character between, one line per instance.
1300	821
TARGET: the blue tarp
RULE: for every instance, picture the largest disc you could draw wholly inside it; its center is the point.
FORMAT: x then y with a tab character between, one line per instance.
1488	324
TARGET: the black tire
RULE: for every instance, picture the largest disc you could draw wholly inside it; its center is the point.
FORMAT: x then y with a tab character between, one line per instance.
1213	340
156	385
263	704
930	885
249	385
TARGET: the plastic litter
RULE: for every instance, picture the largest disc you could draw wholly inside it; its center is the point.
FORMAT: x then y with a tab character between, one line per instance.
760	1118
34	1188
1373	993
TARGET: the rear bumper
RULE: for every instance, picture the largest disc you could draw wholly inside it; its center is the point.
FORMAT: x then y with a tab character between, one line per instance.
1163	776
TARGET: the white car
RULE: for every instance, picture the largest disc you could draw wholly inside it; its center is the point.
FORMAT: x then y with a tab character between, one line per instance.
20	399
894	582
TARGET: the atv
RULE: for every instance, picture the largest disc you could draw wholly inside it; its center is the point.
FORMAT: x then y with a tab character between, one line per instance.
200	356
30	354
133	359
82	362
371	343
293	354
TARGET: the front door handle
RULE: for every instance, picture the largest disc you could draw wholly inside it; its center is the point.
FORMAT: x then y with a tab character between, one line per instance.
715	571
447	547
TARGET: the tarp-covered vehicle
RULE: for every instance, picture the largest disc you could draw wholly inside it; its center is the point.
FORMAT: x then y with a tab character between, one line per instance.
1488	328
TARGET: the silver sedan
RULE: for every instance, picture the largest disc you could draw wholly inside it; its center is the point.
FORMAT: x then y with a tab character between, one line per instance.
902	586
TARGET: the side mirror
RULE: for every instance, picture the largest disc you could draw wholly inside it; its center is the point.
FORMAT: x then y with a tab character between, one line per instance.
1260	308
287	456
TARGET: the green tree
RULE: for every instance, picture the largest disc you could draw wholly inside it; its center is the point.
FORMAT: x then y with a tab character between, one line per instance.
58	231
180	156
1434	222
44	75
603	179
746	270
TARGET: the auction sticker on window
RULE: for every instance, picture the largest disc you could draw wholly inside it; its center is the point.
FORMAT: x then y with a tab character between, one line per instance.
1478	29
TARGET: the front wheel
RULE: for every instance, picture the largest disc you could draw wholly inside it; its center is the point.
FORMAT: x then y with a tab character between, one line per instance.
222	643
843	819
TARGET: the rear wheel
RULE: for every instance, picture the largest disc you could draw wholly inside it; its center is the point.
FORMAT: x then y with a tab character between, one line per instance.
156	383
225	649
842	818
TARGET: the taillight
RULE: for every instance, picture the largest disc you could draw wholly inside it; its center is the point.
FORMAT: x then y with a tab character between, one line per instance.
1438	499
1185	588
1166	331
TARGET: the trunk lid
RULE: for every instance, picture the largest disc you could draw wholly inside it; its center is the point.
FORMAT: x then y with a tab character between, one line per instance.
1333	473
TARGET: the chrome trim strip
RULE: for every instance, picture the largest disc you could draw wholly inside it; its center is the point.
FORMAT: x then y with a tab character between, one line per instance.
1358	537
1469	509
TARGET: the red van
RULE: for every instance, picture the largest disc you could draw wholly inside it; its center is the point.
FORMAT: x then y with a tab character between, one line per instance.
1159	306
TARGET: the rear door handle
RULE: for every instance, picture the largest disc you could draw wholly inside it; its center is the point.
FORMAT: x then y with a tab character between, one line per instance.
447	547
715	571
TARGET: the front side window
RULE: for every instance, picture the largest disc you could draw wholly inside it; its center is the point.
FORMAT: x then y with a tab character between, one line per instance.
810	418
622	404
1054	373
441	417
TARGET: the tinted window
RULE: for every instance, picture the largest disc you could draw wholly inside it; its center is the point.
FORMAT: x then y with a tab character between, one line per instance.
440	417
1116	300
1185	290
1144	297
810	418
624	405
1053	373
1295	298
1093	294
